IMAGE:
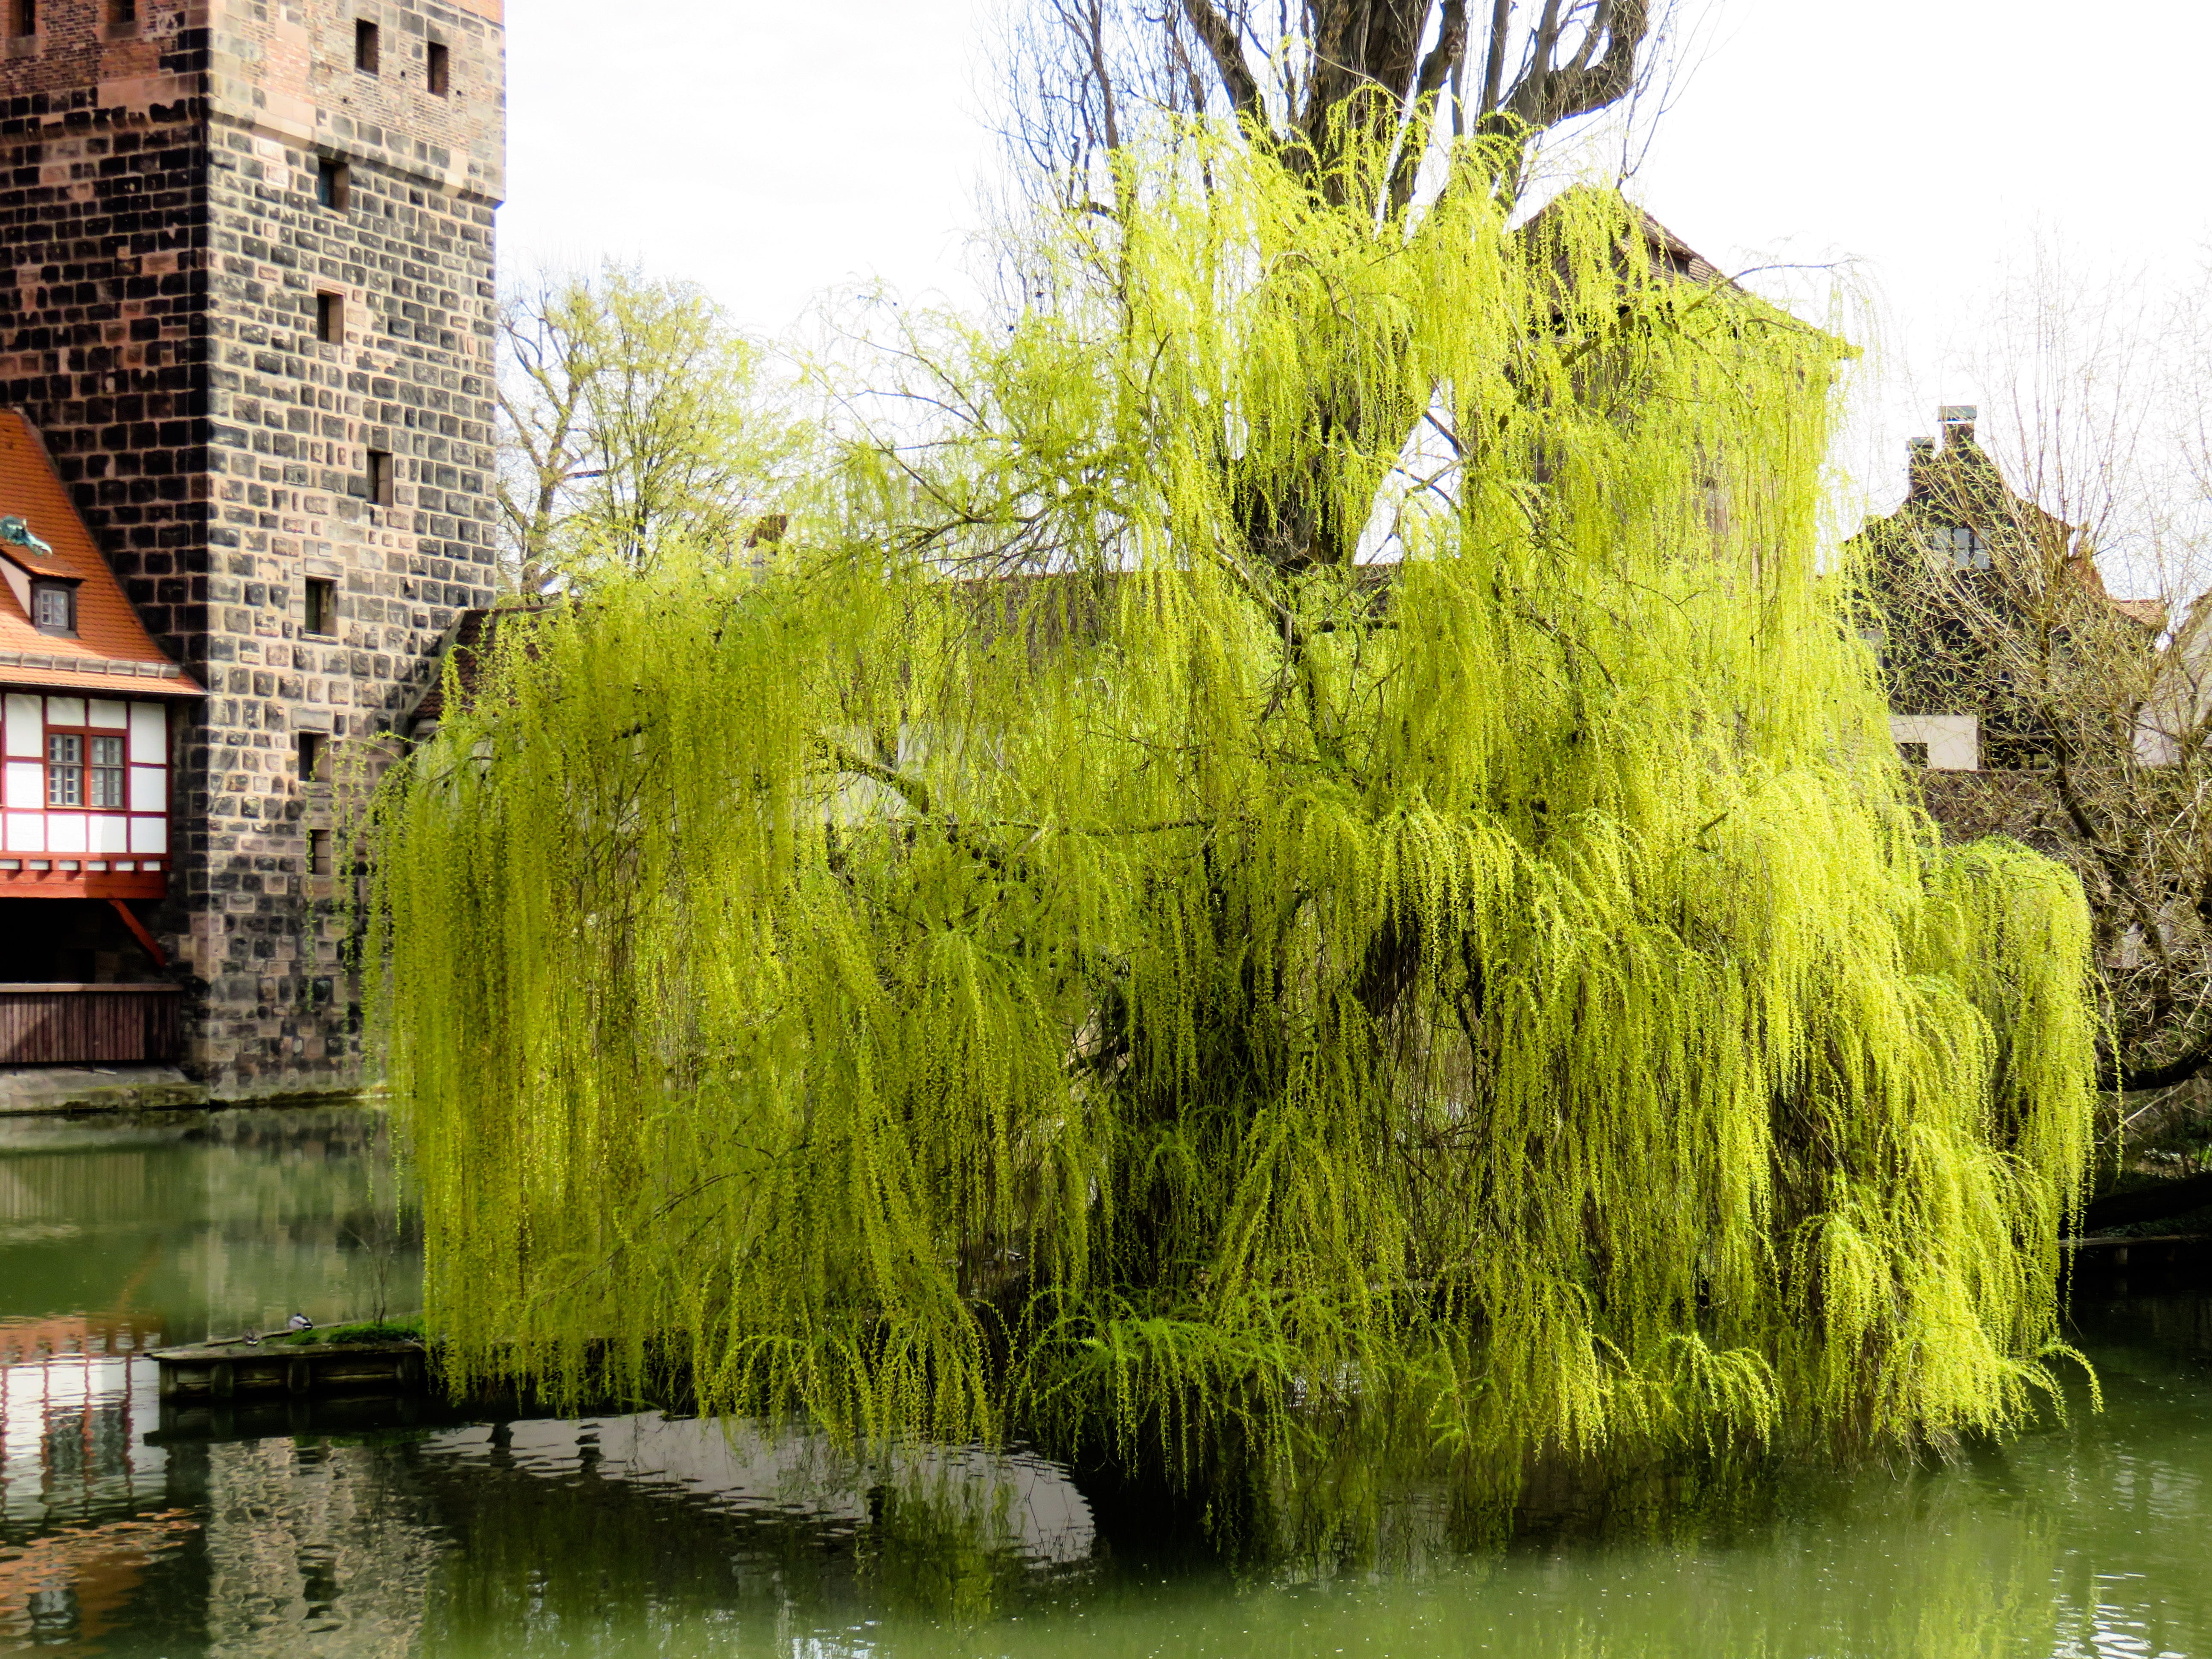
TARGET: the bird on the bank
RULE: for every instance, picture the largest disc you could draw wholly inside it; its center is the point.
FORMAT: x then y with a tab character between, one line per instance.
251	1339
300	1322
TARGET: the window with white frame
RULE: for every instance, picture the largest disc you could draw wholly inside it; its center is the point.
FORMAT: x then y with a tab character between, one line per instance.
105	774
64	769
53	607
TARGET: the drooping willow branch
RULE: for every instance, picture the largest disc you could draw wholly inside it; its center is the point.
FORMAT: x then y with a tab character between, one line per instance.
1495	1002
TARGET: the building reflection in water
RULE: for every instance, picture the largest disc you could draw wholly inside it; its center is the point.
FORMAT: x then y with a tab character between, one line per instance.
89	1507
576	1529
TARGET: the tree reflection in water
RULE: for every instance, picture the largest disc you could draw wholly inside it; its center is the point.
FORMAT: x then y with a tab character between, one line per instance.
636	1533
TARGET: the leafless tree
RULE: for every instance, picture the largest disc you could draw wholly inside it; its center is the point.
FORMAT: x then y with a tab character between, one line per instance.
1083	77
2091	466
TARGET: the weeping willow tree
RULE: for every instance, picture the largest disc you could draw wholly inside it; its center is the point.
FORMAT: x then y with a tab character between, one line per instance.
1307	861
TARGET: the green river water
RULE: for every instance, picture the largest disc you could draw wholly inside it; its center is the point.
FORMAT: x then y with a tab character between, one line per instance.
130	1531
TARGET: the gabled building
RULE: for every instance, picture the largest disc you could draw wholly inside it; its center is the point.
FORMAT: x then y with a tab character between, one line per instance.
91	702
91	714
1947	569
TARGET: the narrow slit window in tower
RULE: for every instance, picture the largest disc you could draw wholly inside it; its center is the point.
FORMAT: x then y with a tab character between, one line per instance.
310	756
322	615
122	17
364	45
318	852
436	74
379	477
333	185
330	319
23	17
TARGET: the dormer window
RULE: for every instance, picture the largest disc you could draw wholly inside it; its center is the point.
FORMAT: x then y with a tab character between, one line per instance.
53	607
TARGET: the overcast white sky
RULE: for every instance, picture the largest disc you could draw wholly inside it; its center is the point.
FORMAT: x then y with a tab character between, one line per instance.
771	151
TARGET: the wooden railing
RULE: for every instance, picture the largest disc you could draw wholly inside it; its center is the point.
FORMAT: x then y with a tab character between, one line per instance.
88	1024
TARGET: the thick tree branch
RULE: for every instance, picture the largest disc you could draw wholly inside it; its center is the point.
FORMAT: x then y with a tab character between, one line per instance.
1221	44
2148	1204
1548	94
1428	84
2167	1073
1601	24
1493	63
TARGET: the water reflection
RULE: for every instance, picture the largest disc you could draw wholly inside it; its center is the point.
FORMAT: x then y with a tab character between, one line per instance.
120	1237
126	1532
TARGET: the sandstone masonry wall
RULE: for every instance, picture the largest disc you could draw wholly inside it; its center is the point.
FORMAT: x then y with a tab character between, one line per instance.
165	256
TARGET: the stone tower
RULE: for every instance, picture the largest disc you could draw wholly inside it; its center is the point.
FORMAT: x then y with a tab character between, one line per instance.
246	299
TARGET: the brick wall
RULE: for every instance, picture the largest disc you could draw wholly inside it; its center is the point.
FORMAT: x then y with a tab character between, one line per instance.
162	252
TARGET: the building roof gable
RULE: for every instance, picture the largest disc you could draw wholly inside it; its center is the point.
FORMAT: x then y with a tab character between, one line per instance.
111	653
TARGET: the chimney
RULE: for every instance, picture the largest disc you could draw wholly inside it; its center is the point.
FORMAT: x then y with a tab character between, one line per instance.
1957	421
1918	453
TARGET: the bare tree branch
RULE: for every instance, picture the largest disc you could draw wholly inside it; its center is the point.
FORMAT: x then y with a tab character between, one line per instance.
1221	44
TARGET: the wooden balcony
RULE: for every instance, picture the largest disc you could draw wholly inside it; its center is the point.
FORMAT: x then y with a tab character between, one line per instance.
134	1024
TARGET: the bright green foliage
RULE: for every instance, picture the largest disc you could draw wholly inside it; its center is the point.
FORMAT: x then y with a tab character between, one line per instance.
1061	950
633	418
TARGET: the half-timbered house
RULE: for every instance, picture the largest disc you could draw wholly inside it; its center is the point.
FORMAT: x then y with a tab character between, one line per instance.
89	707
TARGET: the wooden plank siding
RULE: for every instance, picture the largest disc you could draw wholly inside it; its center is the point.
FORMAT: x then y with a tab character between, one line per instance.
88	1024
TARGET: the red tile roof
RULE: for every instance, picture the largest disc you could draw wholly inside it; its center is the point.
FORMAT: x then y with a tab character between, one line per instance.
111	651
2147	613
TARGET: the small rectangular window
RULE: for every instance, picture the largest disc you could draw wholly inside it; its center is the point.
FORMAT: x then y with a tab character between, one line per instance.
435	73
23	15
1965	545
318	852
333	183
310	756
330	319
122	17
64	770
364	45
53	607
322	615
107	773
380	474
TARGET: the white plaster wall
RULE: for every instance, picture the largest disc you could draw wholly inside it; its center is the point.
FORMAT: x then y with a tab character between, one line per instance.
1954	741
